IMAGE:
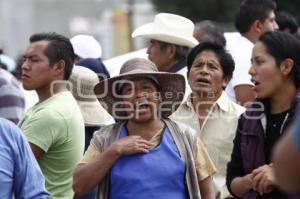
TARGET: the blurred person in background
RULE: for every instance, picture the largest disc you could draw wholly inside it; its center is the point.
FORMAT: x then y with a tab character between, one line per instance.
287	158
88	53
12	102
252	19
286	22
171	38
6	62
208	30
95	66
83	81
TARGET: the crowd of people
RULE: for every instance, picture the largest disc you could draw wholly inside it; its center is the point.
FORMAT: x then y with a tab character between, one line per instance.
208	115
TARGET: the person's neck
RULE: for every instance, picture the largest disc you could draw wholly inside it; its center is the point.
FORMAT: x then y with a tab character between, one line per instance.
50	90
202	103
167	67
145	129
252	37
282	102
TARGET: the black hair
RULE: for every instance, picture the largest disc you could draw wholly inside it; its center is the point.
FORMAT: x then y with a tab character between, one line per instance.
181	51
282	45
225	59
250	11
59	48
286	20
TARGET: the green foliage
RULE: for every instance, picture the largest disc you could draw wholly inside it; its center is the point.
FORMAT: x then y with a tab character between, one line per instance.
197	10
216	10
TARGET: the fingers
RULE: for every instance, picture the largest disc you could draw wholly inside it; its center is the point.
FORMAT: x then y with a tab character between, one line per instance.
260	185
263	180
145	144
265	186
134	144
143	148
256	180
258	170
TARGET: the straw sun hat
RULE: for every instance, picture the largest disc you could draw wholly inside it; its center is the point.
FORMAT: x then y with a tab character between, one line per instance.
83	81
171	87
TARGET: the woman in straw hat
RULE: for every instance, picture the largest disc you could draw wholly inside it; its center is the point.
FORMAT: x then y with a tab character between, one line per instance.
144	155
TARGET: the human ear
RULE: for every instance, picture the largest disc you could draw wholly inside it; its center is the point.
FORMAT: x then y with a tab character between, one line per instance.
257	26
59	67
225	81
171	51
286	66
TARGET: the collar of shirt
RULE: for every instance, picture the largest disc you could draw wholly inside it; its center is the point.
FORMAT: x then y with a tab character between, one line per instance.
222	102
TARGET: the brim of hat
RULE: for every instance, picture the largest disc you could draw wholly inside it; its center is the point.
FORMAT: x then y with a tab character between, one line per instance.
147	30
94	114
172	88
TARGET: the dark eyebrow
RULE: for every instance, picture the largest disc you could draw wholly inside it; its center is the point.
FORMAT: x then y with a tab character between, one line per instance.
209	61
30	56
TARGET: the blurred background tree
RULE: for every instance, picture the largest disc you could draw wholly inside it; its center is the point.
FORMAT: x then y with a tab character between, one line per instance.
216	10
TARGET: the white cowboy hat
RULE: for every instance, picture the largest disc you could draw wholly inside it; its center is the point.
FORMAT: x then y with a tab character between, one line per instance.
171	87
83	81
169	28
86	46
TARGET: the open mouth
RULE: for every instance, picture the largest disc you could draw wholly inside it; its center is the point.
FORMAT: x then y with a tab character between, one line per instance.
203	81
141	107
256	83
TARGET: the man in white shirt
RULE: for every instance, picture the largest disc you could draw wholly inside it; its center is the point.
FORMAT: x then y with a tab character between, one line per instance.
253	18
208	109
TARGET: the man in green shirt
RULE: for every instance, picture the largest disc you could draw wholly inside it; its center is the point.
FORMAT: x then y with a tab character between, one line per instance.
54	126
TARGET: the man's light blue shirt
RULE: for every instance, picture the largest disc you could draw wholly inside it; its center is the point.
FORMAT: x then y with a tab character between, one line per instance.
20	174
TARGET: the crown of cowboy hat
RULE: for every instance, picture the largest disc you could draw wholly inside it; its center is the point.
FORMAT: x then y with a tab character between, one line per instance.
171	87
169	28
83	81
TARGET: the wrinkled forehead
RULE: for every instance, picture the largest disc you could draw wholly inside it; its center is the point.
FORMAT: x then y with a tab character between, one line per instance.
207	55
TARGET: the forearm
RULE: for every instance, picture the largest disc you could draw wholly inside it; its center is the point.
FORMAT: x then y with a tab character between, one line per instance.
206	188
241	185
87	176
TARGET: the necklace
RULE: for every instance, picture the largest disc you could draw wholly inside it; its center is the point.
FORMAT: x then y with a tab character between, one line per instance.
278	120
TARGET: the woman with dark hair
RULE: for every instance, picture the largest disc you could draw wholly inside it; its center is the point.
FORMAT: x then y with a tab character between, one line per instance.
144	155
275	75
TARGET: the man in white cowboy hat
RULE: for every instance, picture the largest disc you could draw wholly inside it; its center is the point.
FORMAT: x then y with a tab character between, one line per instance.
171	37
